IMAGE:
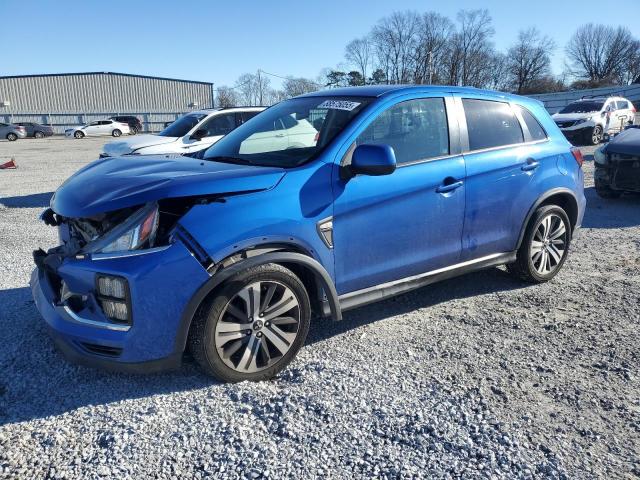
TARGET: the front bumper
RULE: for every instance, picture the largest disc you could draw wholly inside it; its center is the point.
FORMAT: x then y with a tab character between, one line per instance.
161	284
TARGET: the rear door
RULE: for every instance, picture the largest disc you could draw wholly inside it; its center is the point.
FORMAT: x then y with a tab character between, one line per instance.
395	226
504	161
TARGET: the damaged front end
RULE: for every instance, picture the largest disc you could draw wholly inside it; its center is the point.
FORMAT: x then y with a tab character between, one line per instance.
617	164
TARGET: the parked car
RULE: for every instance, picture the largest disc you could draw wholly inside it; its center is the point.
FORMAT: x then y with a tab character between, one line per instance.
190	133
36	130
588	120
12	132
232	254
617	165
135	125
97	128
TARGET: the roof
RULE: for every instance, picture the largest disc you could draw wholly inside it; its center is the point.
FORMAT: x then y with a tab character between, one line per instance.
380	90
104	73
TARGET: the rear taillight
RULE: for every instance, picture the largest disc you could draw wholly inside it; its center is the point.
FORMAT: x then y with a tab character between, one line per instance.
577	154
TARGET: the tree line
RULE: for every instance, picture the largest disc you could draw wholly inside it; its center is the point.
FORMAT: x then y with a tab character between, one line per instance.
429	48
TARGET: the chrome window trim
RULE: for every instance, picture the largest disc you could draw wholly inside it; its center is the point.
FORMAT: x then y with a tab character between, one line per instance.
73	317
512	145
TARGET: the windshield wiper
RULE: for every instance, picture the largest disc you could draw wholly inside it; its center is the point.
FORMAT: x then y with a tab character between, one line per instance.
236	160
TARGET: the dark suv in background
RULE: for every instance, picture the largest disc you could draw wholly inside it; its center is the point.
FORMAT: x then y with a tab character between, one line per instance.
135	126
36	130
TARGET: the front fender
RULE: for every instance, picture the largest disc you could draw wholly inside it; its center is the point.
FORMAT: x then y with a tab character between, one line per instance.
323	278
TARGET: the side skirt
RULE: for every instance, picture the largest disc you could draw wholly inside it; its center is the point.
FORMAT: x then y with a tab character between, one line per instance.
396	287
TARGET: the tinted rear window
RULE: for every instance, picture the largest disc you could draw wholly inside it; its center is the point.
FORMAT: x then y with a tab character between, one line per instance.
491	124
535	129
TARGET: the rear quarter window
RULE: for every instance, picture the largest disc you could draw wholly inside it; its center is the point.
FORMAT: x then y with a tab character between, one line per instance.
491	124
535	129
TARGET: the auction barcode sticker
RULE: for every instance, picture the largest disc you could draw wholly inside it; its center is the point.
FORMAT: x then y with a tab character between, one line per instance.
339	105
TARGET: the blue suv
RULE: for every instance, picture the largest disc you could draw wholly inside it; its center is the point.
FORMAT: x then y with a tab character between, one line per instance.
319	204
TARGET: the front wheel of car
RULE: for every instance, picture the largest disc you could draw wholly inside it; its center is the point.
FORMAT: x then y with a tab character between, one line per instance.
12	137
116	133
38	135
253	326
78	135
596	136
544	247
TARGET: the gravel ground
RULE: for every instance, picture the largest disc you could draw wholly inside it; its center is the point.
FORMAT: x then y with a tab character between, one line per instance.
480	376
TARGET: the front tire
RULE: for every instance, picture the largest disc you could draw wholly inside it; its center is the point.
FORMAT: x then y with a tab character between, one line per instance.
253	326
544	247
78	135
38	135
12	137
596	136
116	133
605	191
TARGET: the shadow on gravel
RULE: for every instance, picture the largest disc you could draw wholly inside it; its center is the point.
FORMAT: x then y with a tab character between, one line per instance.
611	213
37	382
470	285
27	201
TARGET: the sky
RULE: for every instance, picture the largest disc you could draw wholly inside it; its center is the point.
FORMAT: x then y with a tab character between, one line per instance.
217	41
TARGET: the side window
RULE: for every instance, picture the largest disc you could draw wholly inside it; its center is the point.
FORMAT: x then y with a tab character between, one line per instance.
93	124
247	116
622	105
491	124
415	129
219	125
536	131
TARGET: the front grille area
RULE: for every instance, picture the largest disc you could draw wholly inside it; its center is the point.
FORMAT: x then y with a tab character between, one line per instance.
102	350
626	176
566	124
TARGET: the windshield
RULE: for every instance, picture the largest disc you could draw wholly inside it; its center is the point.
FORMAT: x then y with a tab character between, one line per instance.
289	133
583	107
181	127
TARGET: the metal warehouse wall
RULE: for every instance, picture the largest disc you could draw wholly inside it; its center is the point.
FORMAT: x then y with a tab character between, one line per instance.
555	101
66	100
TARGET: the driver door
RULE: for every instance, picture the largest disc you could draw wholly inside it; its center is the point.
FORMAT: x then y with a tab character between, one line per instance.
215	127
386	228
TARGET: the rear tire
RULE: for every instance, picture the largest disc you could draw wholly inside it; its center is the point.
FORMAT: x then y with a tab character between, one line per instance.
12	137
545	246
116	133
253	326
38	135
78	135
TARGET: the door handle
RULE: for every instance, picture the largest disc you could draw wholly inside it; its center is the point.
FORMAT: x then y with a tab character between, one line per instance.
530	165
449	187
279	135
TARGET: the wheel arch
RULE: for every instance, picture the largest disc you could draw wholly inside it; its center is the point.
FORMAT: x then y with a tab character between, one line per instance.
563	197
313	275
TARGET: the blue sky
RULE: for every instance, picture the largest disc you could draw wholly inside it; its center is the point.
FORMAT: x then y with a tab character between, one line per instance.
218	41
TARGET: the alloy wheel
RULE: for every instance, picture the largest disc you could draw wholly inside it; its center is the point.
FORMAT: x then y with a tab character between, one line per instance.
596	136
549	244
257	327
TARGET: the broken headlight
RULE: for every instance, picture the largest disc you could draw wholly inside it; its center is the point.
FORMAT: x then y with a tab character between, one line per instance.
136	232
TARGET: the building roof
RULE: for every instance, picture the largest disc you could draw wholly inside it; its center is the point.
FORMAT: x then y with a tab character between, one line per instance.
105	73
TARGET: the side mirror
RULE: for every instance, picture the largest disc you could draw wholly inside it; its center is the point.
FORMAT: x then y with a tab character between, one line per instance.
199	134
374	160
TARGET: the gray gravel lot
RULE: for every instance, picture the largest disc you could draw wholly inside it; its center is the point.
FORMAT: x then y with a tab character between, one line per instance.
480	376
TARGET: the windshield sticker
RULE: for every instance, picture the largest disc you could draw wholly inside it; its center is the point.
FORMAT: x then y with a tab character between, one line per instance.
339	105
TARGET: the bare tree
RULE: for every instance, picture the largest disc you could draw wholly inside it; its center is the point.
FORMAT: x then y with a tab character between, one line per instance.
631	72
292	87
474	46
599	52
498	73
433	36
359	53
253	89
226	97
529	58
394	40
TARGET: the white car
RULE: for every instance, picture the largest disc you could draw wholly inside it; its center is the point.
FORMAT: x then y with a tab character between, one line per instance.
190	133
285	132
588	120
99	127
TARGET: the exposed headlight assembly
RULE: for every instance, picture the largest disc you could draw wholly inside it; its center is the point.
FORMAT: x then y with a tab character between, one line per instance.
599	156
137	231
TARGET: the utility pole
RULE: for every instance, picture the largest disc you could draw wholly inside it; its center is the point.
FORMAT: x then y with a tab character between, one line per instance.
260	88
430	67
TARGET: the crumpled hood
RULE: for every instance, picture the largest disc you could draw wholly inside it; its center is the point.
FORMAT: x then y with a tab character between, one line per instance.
114	183
626	142
567	117
122	147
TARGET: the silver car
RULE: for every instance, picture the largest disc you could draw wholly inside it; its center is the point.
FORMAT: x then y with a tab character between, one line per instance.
12	132
36	130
